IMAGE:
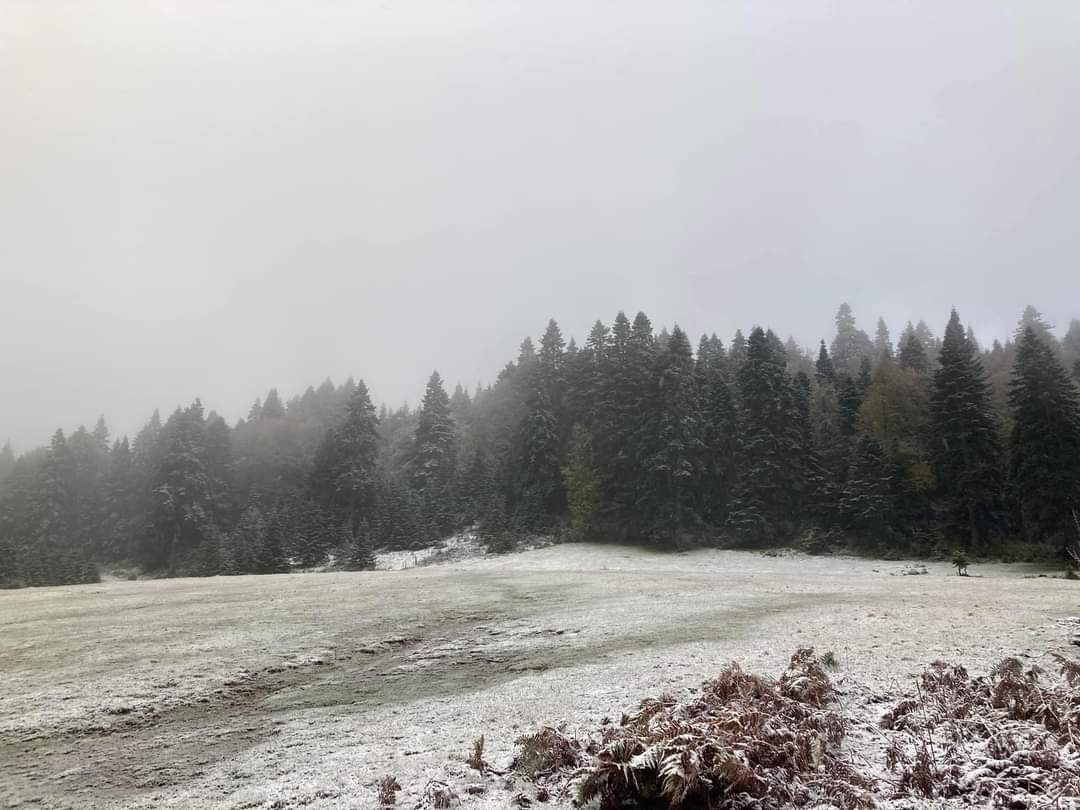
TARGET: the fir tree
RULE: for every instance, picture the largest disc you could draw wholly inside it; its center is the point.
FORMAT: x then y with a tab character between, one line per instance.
964	449
824	368
540	492
272	407
672	443
343	473
270	555
182	492
434	441
851	344
883	347
762	509
913	353
361	556
738	351
582	482
1045	441
718	433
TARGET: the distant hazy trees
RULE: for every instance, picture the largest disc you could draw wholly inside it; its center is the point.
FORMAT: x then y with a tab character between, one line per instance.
915	446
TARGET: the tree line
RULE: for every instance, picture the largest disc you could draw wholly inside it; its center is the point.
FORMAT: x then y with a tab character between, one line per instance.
928	445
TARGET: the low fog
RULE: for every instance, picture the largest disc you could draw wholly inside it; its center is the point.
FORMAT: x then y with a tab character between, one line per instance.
211	199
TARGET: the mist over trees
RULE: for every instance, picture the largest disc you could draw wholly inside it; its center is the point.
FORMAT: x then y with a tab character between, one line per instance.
920	446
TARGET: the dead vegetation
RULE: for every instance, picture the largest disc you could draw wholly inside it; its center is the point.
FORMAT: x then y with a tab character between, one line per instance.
746	742
475	759
545	753
437	795
388	790
1006	740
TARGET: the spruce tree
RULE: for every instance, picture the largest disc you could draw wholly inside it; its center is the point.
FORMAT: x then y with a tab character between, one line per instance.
343	473
883	347
866	501
540	490
1045	442
1070	352
964	450
434	442
737	355
824	368
913	353
672	441
272	407
718	436
763	504
183	496
851	344
581	480
626	376
361	556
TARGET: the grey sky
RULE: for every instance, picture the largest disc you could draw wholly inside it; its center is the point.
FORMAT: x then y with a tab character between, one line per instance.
213	198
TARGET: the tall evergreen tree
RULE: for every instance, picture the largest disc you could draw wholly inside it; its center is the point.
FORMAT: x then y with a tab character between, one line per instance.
581	480
1045	442
672	440
272	407
851	344
964	451
824	367
738	351
718	432
913	353
434	440
185	493
7	460
435	451
763	505
343	475
882	341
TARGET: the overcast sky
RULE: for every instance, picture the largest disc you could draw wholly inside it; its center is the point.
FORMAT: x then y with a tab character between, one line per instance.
213	198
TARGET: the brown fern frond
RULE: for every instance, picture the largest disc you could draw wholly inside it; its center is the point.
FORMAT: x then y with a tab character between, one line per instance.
1070	669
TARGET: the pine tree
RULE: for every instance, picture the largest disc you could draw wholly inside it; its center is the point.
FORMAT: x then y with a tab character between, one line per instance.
1070	353
182	492
737	354
361	556
849	399
1033	319
672	441
270	555
272	407
625	379
824	367
434	440
913	353
851	344
883	347
895	413
1045	441
866	503
582	482
764	502
964	451
540	490
343	473
434	456
718	433
247	540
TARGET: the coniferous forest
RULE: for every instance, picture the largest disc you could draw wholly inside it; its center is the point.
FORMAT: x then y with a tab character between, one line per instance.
924	445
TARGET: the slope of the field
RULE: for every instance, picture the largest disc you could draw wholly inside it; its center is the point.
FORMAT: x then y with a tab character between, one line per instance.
303	690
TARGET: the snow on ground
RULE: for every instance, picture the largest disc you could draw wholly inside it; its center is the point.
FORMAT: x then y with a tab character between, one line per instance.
303	690
453	549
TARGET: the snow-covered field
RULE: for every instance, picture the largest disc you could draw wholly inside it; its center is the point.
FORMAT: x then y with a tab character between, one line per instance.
303	690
